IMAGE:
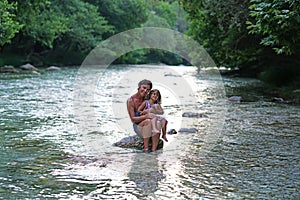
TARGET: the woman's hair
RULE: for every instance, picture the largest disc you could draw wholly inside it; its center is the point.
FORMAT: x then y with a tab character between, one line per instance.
151	92
145	82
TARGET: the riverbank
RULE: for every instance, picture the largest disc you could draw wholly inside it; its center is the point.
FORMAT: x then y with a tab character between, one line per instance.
284	94
280	93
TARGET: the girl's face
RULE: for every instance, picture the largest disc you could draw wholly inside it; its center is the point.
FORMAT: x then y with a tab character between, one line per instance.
154	96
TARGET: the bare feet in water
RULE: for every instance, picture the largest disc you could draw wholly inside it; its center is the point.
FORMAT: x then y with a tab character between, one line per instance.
165	137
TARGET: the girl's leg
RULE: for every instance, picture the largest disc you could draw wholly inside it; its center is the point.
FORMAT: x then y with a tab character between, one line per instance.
164	130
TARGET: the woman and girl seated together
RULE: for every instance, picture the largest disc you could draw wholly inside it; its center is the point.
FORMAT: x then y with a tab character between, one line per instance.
152	105
143	108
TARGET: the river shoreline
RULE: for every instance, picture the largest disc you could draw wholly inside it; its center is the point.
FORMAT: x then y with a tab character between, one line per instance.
281	94
288	94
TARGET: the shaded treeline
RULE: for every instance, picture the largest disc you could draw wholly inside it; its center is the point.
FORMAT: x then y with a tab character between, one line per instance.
259	37
63	32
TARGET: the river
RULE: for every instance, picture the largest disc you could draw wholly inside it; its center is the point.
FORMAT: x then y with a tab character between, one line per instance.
57	131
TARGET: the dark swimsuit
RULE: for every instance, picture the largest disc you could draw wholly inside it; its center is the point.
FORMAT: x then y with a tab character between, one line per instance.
136	113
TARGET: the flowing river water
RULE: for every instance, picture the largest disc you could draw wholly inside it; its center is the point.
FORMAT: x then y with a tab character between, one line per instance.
56	138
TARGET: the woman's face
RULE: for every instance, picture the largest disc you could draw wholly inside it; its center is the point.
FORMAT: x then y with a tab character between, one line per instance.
144	89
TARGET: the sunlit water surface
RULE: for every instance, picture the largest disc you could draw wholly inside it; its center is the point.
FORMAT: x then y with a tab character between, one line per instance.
57	144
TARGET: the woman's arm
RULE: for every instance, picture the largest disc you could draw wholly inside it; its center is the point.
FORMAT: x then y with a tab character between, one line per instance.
141	108
136	119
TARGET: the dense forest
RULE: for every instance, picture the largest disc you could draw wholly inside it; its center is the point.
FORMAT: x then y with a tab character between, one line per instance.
261	38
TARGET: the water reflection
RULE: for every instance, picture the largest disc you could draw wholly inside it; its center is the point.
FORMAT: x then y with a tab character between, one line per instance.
145	174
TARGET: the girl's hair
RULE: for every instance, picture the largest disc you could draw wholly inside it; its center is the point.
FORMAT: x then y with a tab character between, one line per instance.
158	93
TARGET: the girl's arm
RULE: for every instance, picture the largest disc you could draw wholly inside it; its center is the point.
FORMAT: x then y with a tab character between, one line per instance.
158	109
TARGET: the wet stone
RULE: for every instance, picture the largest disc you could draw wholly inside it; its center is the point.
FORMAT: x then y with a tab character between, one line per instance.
188	130
193	115
136	142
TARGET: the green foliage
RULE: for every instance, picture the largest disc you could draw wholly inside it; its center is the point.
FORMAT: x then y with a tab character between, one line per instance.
50	20
134	57
165	12
64	31
277	22
280	75
85	25
9	26
53	28
157	14
165	15
160	56
41	22
156	21
123	14
219	26
245	34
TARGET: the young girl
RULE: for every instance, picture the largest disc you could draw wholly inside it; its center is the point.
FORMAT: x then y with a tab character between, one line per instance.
152	105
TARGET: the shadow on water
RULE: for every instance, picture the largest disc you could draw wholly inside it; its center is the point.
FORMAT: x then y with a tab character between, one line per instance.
145	173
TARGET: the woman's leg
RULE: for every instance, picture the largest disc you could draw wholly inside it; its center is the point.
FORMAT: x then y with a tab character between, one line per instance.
145	130
146	144
156	136
155	139
154	125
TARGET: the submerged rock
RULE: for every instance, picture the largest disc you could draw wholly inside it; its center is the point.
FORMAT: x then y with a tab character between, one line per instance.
35	72
277	99
135	141
8	69
192	114
88	160
53	68
235	98
170	74
172	131
296	91
188	130
28	67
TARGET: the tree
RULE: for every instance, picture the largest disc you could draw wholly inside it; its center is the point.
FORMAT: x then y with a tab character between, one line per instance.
123	14
53	30
245	33
278	24
42	24
85	25
9	26
64	31
219	26
164	11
